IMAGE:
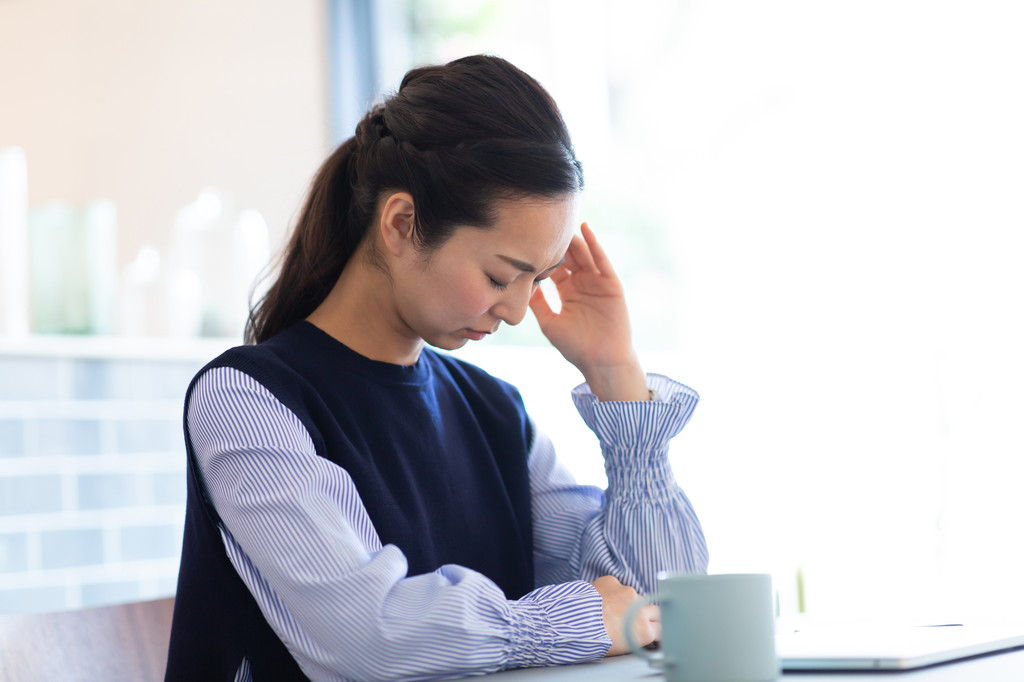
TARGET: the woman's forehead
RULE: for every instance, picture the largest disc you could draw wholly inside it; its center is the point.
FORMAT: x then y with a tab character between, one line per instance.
533	232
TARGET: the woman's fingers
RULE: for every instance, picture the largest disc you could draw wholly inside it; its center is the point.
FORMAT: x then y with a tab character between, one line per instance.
586	269
571	263
596	253
616	600
561	274
585	254
579	253
540	307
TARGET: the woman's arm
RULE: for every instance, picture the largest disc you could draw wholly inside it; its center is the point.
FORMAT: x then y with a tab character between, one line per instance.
298	534
643	523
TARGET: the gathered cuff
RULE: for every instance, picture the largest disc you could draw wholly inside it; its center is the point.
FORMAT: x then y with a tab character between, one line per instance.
556	625
643	425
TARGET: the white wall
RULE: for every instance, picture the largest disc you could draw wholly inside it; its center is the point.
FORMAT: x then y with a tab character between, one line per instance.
148	102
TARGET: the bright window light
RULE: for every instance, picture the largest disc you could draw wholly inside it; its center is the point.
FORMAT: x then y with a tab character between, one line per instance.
817	208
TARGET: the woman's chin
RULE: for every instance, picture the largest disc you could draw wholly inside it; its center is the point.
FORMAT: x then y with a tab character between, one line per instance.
447	342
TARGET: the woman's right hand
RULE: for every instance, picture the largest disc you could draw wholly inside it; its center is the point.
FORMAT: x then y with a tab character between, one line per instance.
591	330
615	599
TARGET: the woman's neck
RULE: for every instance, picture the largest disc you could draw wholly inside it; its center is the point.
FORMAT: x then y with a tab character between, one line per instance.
360	312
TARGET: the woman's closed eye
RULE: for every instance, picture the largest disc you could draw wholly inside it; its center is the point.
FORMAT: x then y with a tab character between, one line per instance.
500	286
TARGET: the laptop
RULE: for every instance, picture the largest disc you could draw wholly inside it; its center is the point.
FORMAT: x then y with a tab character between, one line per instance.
886	646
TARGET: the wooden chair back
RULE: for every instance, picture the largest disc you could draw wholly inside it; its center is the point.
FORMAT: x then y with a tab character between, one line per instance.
123	643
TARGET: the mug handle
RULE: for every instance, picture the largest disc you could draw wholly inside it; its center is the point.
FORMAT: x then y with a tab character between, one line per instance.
655	658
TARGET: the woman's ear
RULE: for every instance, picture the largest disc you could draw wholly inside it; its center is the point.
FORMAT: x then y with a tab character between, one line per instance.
397	223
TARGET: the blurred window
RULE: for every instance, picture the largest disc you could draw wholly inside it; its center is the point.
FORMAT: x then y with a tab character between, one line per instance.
816	210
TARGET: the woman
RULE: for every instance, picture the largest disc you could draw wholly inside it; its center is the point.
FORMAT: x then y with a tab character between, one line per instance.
362	507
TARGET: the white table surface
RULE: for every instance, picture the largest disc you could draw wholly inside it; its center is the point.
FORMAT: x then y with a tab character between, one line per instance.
1002	667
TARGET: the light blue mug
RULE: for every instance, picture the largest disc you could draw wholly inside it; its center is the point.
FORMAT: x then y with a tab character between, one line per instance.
714	628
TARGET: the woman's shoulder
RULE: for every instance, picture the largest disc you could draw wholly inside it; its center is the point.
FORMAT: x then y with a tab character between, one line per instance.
248	359
273	357
255	362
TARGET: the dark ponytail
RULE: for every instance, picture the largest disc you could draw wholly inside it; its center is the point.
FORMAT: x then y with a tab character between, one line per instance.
458	138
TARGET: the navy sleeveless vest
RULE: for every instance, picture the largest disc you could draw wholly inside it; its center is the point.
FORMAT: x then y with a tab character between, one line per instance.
437	452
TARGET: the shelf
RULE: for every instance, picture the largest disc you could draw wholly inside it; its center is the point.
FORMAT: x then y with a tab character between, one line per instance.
114	347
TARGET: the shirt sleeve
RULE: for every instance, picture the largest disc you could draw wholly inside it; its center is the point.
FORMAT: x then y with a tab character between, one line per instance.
296	531
642	523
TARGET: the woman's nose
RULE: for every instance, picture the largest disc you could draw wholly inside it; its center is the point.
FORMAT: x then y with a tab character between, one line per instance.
511	309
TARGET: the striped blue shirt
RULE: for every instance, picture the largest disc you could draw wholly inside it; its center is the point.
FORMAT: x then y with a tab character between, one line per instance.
296	530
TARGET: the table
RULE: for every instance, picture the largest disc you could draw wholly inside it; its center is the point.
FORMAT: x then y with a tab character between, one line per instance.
1007	666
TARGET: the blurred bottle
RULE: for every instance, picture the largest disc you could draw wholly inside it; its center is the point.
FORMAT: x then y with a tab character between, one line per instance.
59	297
215	256
99	233
14	260
141	301
73	268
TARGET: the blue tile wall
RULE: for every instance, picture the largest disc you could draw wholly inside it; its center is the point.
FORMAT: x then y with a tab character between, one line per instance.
66	437
29	494
96	594
149	435
90	379
92	476
67	548
169	488
150	542
12	438
30	378
108	491
13	552
148	380
33	599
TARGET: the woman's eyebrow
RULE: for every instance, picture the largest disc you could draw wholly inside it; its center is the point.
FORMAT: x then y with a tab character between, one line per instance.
524	266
